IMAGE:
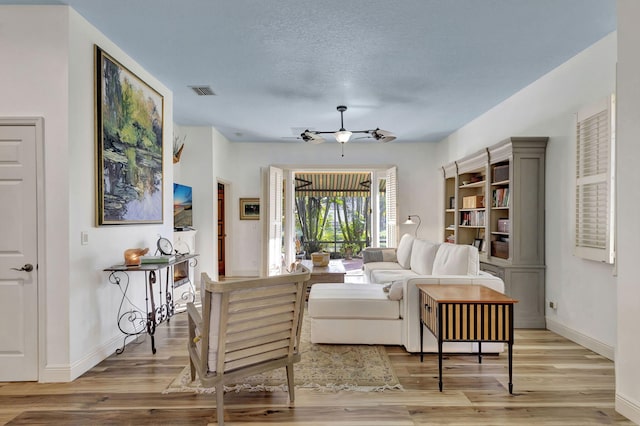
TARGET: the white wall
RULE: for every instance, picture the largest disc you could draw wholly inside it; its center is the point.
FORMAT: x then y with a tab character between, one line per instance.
628	134
546	108
204	161
34	49
93	301
48	71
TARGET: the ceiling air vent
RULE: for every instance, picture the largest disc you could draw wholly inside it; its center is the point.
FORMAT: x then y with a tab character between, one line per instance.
202	90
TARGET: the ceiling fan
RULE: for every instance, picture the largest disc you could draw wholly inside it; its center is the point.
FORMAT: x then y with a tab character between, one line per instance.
343	135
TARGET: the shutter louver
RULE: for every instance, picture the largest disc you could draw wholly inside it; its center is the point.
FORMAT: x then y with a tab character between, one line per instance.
594	167
391	199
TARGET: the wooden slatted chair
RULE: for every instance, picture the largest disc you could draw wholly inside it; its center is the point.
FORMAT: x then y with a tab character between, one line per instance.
247	326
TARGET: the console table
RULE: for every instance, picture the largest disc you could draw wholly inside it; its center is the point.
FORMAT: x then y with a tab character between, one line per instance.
159	304
466	313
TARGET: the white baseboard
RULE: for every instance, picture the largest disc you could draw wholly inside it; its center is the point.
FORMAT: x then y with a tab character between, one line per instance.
629	409
581	339
68	373
55	374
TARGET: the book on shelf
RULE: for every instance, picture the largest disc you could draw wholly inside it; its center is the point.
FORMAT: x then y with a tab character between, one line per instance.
501	197
472	218
157	259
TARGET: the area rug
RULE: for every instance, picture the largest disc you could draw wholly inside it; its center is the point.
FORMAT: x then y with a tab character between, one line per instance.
361	368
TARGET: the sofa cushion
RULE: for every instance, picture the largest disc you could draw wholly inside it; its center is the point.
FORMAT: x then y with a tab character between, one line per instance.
423	253
376	254
403	253
456	259
384	276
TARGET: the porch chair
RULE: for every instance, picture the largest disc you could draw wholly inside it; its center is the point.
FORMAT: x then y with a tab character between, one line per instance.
247	326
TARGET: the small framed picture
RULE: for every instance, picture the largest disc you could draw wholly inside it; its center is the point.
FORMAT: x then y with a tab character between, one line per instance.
249	208
478	243
452	203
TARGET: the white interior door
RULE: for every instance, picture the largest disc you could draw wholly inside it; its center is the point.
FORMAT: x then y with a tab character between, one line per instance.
18	253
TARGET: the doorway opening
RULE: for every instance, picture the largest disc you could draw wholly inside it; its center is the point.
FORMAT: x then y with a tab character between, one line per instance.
338	211
333	213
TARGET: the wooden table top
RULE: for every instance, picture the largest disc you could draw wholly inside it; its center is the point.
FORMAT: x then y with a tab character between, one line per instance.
464	293
334	267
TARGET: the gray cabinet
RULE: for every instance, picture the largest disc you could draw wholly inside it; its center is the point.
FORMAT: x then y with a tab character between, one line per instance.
525	284
509	222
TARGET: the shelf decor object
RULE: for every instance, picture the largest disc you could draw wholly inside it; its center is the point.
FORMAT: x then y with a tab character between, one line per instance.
132	256
129	154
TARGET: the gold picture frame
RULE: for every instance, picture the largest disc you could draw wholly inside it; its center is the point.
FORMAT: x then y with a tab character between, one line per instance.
129	154
249	208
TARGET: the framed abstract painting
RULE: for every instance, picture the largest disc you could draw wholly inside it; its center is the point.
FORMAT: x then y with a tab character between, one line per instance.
129	154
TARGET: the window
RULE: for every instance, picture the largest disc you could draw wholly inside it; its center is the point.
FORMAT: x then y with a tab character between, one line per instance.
595	167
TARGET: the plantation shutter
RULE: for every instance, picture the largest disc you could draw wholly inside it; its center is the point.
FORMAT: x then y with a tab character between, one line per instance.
391	198
274	221
594	218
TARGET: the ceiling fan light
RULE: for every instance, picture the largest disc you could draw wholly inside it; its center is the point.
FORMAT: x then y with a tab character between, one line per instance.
343	136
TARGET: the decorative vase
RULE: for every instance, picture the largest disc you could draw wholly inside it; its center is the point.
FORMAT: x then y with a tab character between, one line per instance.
320	258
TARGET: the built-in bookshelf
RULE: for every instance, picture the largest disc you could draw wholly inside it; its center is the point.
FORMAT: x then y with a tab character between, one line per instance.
500	209
498	206
450	173
471	200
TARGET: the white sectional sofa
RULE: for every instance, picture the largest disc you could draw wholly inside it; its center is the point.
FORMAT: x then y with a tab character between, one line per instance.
367	314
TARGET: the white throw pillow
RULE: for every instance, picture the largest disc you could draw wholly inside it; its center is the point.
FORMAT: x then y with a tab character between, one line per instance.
395	291
423	254
404	251
456	259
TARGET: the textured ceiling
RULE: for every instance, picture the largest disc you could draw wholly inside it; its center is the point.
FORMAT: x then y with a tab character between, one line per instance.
419	68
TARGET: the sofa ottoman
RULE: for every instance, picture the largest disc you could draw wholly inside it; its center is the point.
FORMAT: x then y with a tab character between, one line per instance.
354	314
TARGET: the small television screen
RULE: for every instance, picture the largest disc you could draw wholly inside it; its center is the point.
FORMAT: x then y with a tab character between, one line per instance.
182	207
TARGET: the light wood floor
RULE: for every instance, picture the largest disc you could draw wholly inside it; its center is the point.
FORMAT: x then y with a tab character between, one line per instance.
556	382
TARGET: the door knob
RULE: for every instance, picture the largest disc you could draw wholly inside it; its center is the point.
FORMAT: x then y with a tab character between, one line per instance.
27	268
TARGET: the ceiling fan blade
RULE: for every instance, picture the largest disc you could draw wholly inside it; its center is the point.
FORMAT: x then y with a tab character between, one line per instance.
383	136
311	137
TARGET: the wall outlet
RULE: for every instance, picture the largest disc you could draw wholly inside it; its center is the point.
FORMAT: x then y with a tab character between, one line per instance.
553	305
84	238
